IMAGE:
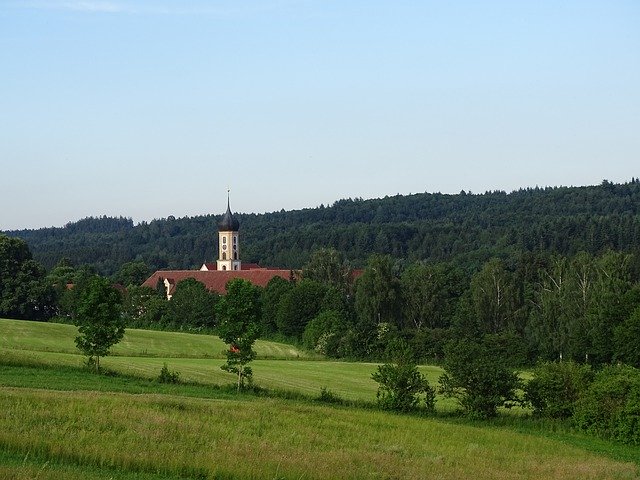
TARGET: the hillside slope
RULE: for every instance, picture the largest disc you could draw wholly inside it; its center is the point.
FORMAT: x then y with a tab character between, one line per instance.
465	227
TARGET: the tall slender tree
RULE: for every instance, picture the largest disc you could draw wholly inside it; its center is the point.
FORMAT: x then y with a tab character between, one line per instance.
239	327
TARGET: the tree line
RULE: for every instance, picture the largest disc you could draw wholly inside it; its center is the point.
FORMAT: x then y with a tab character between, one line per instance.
465	228
545	306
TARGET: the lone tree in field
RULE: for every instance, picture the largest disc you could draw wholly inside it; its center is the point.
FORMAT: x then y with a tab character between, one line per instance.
239	327
98	314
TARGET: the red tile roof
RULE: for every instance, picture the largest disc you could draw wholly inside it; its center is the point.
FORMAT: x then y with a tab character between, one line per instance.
216	280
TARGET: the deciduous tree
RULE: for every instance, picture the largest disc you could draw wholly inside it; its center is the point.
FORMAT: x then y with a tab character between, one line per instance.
478	377
99	319
239	327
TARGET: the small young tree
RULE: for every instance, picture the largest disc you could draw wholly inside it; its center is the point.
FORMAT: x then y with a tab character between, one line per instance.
400	385
239	317
99	319
478	377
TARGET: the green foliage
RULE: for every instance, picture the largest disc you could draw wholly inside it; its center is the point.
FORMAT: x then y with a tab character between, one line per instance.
428	344
579	303
377	305
239	327
429	295
510	346
626	339
132	273
167	376
556	387
99	319
143	307
468	229
323	334
478	377
191	305
329	267
611	405
400	387
24	290
494	298
271	297
299	306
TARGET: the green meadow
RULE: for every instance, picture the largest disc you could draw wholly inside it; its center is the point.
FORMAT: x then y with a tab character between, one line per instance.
58	420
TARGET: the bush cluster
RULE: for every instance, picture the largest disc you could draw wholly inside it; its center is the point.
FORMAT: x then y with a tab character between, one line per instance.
606	403
556	387
611	406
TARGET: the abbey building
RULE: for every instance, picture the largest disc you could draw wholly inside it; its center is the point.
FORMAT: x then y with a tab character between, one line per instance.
228	266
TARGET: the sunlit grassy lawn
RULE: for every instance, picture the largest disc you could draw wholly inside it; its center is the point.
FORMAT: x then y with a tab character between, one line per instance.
274	438
349	380
188	354
57	337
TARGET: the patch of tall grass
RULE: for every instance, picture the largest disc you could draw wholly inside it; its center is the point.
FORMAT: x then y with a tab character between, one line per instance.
29	467
275	438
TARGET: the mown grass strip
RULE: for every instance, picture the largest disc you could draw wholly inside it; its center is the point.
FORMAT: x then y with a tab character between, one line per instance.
59	338
349	380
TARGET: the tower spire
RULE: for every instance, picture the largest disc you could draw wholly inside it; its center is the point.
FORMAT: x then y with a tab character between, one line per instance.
228	240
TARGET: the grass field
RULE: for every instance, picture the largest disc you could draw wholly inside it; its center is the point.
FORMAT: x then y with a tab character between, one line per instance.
60	421
273	438
59	338
283	368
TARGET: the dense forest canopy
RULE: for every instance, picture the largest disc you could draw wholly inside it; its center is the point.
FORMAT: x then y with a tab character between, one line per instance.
465	228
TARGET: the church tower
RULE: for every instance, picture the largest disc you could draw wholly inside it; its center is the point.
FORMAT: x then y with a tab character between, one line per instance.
228	242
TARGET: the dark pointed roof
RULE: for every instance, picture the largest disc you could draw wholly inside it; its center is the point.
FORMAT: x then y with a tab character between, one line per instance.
228	223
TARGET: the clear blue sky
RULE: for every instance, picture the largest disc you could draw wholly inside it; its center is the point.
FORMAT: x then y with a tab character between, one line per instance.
152	108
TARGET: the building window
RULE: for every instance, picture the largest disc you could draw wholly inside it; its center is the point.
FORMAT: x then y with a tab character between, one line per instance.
235	267
235	255
224	239
224	255
224	267
235	240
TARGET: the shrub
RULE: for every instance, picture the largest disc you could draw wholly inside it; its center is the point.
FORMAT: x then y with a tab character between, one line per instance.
327	396
400	387
611	405
479	378
168	377
556	387
323	333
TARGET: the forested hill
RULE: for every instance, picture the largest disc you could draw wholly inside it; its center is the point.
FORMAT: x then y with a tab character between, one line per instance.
467	228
